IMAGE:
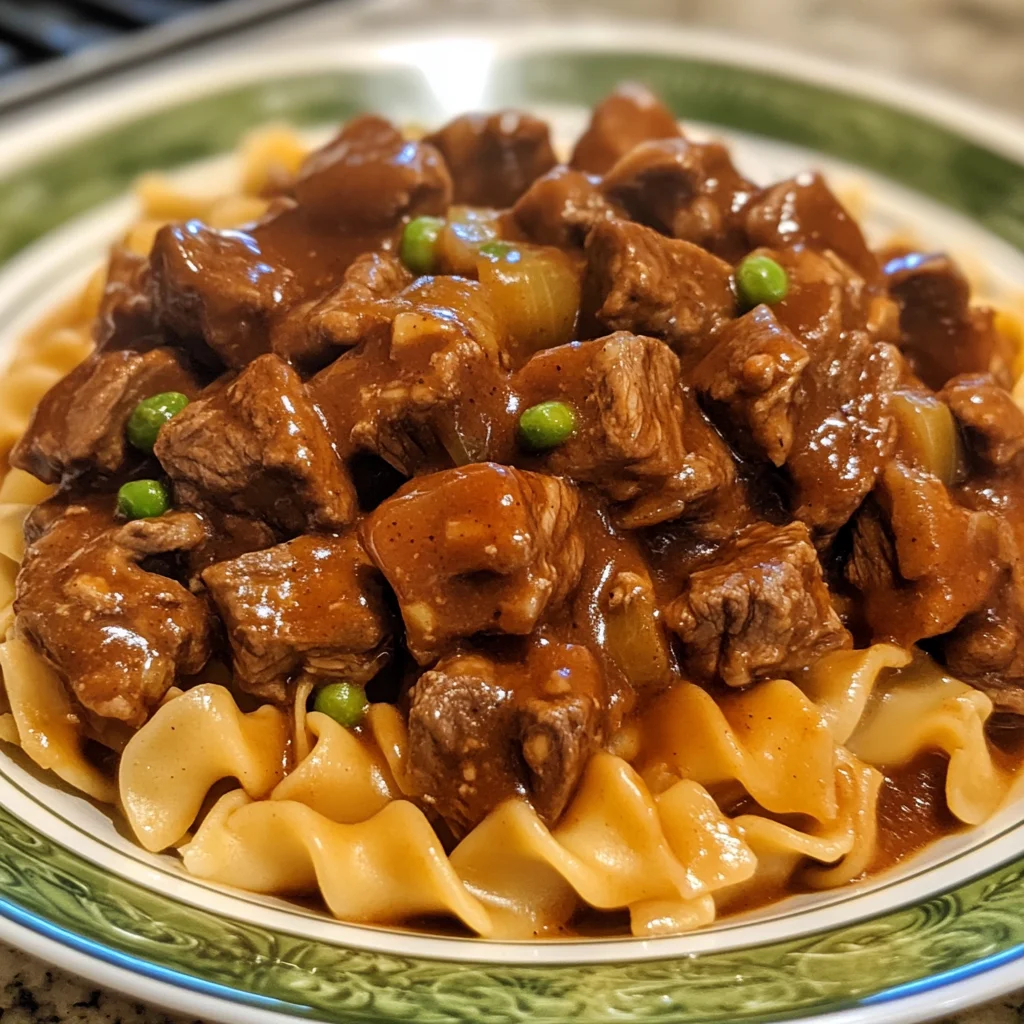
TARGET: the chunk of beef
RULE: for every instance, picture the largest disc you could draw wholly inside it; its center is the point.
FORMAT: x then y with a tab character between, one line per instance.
942	336
259	447
760	609
987	648
484	548
642	282
635	427
370	176
126	318
426	389
313	333
79	426
921	561
229	535
217	291
804	211
494	158
482	731
561	207
992	420
843	430
750	379
314	604
630	115
118	635
685	189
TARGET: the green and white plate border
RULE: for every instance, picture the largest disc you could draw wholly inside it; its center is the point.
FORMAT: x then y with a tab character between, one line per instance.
944	932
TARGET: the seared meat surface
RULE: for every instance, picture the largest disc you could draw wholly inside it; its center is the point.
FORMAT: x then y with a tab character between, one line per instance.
258	445
495	548
518	445
79	426
482	731
759	610
119	634
314	603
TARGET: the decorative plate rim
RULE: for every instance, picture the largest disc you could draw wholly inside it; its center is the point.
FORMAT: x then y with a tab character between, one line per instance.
33	141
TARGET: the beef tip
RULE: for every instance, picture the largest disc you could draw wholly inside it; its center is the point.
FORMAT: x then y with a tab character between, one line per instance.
630	115
760	609
843	430
921	561
79	426
461	759
314	604
634	422
992	420
987	648
804	211
217	291
258	447
126	317
425	389
642	282
371	177
313	333
117	634
481	549
557	737
684	189
750	379
482	731
229	535
942	336
561	207
494	158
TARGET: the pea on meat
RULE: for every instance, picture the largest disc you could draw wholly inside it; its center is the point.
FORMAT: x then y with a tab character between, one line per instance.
546	425
143	499
759	279
150	415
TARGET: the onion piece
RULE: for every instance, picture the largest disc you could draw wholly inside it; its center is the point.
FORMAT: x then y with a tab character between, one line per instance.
465	230
535	292
928	433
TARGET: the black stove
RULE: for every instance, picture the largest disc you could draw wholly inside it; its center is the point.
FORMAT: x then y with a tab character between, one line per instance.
49	45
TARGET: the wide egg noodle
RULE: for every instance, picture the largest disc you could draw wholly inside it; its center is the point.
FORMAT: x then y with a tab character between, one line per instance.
385	869
921	708
46	725
343	777
770	739
191	743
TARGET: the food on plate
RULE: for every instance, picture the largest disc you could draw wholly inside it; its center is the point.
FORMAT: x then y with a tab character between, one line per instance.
477	540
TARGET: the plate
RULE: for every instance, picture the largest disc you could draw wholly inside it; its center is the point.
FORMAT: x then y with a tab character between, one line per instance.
945	930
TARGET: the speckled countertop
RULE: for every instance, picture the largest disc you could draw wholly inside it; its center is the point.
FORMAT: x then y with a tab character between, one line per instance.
968	46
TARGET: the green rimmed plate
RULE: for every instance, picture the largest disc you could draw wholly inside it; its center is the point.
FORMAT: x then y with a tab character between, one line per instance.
945	930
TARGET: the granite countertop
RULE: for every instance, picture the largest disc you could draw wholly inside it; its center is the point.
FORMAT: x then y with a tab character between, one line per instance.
968	46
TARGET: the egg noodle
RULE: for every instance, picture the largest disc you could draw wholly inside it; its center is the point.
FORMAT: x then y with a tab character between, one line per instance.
764	788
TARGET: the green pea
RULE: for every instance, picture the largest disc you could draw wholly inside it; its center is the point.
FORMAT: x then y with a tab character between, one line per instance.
150	415
419	244
546	425
760	279
343	702
143	499
496	250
